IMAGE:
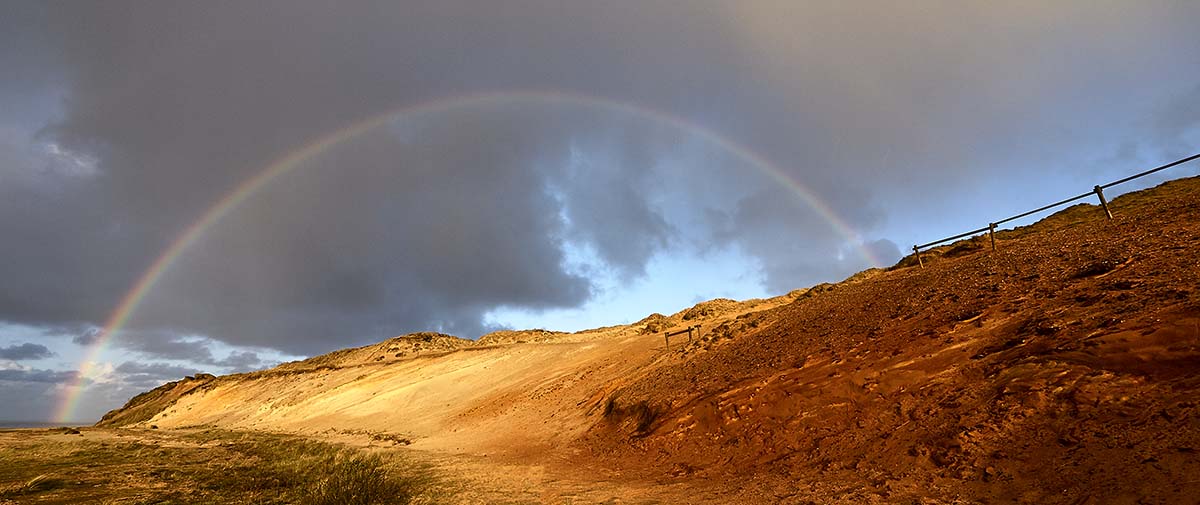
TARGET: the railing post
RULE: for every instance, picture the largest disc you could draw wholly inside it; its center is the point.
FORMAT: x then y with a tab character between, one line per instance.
992	234
917	252
1103	203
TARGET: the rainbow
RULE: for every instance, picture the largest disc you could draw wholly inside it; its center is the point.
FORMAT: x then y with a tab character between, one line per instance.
290	161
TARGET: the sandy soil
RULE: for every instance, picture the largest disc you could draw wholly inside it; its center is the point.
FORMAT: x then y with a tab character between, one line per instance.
1059	369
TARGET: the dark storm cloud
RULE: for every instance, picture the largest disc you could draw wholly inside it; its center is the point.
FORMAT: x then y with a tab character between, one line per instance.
163	345
432	222
606	186
25	351
241	361
382	236
802	250
161	369
152	373
87	337
38	375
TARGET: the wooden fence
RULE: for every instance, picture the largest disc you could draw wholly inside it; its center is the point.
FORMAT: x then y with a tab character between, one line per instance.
667	336
1097	190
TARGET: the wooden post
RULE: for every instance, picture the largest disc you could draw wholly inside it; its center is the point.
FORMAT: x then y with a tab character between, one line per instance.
668	334
1103	203
918	253
992	234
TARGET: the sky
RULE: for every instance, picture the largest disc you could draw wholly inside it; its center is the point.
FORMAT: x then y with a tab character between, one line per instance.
239	184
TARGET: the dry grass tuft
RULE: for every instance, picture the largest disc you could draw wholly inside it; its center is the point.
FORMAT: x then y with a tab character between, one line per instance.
35	485
211	466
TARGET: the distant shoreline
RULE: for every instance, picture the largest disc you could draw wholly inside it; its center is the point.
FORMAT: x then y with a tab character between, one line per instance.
37	424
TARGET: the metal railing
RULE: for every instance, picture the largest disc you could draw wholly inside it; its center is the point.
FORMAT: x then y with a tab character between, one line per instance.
1098	191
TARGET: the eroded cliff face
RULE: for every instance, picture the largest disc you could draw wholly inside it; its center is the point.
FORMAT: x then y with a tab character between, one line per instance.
520	392
1061	367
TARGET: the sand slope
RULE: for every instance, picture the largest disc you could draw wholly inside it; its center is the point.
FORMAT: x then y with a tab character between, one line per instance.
1061	368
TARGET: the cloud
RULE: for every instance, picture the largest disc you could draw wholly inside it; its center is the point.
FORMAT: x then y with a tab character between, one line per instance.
25	351
796	246
884	250
190	349
605	189
165	346
150	375
131	122
159	370
87	337
1177	124
241	361
38	375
